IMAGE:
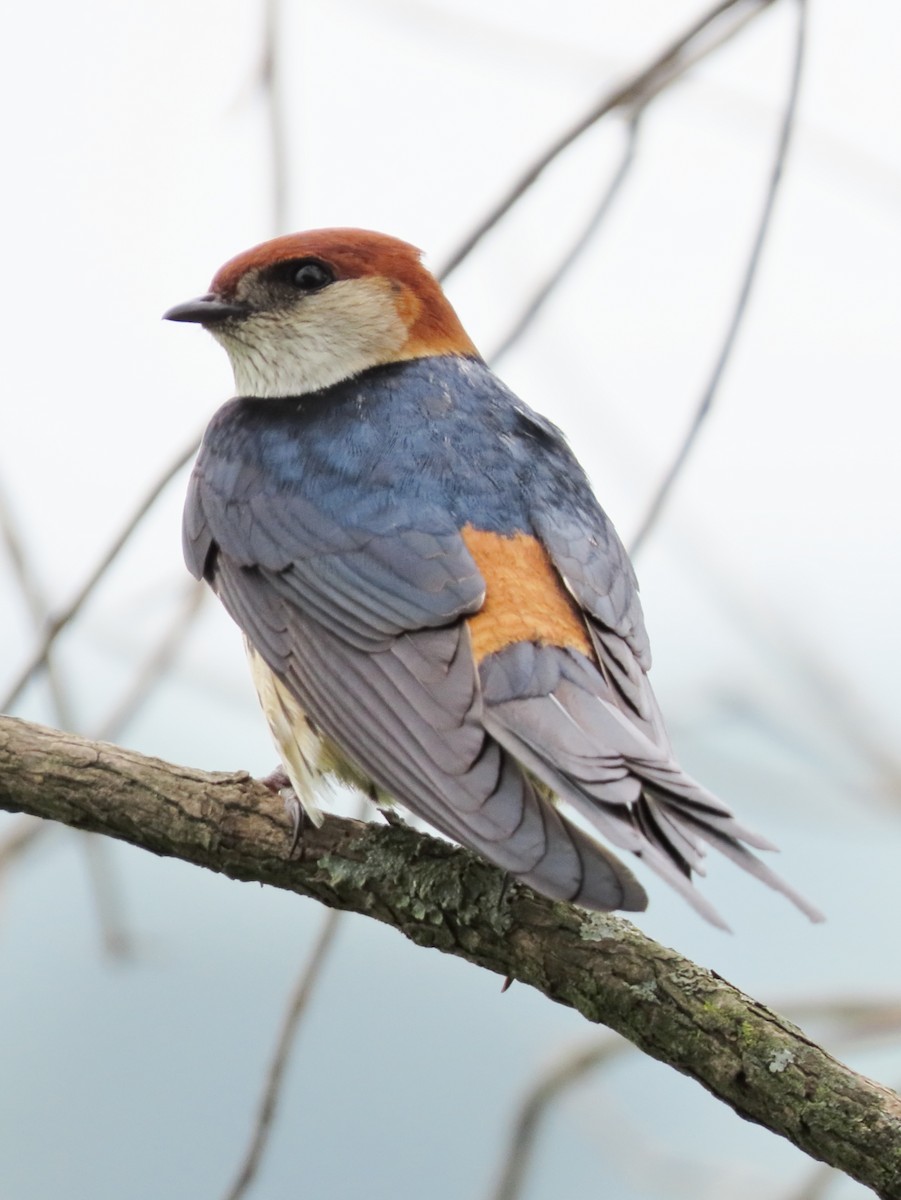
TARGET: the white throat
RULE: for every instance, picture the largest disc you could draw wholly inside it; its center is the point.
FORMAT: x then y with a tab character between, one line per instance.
324	338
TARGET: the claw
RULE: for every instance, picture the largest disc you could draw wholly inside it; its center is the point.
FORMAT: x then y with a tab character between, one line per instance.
391	816
295	811
276	781
280	785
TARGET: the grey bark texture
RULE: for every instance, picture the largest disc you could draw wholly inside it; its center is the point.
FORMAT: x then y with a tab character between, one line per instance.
443	897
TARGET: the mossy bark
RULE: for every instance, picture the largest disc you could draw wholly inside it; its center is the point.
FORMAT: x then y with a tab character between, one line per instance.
443	897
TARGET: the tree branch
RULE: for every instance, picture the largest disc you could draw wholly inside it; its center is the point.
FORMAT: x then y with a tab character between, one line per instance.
536	1102
440	896
300	997
748	278
704	35
58	623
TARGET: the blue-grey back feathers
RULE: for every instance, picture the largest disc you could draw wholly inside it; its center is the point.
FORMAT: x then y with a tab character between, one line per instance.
330	526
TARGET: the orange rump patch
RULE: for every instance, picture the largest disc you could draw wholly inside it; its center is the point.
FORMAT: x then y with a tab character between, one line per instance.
525	598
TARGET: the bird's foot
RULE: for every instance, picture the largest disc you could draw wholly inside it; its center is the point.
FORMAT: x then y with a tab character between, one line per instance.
280	785
277	781
298	815
390	814
385	808
506	883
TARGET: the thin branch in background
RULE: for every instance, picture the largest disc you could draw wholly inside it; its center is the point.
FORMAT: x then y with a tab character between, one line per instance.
15	549
104	882
544	1093
101	876
604	967
750	274
25	831
312	969
105	885
778	634
705	35
57	624
300	997
562	269
855	1018
668	66
275	113
156	664
36	604
649	82
107	895
817	1183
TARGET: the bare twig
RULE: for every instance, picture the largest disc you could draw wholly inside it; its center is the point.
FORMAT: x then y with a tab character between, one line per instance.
107	899
297	1005
544	1092
300	996
20	838
647	83
156	664
102	876
544	292
312	969
14	544
707	33
28	830
445	898
36	603
817	1183
855	1019
58	623
107	895
794	653
748	277
275	115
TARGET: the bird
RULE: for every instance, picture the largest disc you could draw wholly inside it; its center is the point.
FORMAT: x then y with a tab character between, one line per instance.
435	607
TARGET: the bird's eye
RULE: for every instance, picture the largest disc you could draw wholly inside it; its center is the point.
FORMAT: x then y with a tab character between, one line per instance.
310	275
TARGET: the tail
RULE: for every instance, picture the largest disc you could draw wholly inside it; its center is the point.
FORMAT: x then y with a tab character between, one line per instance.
553	711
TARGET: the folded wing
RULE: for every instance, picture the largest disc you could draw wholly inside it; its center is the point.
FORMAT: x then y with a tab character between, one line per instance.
365	626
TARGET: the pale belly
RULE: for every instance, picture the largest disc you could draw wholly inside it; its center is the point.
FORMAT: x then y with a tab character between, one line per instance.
312	762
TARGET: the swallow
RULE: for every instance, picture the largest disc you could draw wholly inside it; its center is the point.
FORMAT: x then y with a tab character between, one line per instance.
436	609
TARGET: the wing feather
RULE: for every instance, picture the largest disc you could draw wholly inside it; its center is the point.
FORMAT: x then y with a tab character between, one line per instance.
414	724
358	605
577	739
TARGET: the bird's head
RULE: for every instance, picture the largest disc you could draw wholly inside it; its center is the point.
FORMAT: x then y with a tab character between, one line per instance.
304	311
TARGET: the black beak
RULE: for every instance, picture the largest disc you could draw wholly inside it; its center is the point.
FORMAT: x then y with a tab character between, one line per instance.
206	310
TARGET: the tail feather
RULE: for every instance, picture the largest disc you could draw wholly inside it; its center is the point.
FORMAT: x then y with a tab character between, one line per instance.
749	862
627	786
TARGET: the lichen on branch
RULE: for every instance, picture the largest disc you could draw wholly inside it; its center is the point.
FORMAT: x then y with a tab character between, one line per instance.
440	896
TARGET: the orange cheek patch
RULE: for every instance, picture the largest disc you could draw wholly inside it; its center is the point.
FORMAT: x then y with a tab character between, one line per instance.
525	599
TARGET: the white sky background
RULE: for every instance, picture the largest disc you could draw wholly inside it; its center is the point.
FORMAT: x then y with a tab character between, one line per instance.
137	160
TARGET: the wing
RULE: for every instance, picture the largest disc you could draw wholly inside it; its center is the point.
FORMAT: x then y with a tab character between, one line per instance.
592	730
363	619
